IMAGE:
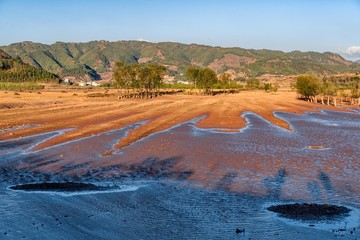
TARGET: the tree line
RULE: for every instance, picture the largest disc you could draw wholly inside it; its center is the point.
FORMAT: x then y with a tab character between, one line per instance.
206	80
327	90
145	80
202	78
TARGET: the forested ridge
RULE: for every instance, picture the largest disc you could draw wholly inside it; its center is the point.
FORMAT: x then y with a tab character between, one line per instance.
16	71
97	57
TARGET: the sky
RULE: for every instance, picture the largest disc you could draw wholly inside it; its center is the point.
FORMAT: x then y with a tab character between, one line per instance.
286	25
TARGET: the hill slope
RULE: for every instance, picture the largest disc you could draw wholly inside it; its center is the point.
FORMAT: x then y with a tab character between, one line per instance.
15	70
94	58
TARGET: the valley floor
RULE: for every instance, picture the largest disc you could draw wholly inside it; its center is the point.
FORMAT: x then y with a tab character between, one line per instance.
174	167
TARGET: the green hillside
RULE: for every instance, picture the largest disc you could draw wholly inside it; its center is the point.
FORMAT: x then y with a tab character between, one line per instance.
16	71
96	57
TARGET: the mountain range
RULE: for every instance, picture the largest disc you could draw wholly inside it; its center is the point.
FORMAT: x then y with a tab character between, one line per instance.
95	59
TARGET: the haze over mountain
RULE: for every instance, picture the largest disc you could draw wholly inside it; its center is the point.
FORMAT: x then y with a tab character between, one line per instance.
97	57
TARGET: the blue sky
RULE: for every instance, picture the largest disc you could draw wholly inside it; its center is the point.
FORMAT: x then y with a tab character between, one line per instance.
287	25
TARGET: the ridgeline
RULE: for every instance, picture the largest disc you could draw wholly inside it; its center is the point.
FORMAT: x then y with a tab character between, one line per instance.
94	58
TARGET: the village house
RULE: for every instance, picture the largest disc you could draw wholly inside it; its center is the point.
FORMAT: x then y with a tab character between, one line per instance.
89	83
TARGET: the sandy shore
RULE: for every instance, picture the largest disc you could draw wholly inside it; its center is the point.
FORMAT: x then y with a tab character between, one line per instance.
88	115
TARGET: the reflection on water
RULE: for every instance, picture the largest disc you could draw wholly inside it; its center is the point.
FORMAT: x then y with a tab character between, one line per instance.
261	161
266	160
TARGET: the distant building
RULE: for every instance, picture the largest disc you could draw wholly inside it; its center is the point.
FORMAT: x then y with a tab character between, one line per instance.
92	83
66	81
183	82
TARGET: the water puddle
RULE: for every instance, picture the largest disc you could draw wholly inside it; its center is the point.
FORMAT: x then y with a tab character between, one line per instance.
56	186
72	188
329	217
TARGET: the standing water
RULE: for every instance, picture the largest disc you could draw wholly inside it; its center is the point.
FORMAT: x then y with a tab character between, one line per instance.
187	182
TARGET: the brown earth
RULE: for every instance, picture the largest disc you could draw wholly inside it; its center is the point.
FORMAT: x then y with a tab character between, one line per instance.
230	60
89	113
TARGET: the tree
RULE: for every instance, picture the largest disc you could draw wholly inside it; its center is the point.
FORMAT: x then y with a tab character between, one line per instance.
192	74
151	76
120	74
225	79
207	79
328	89
355	90
204	78
308	86
145	78
267	87
253	83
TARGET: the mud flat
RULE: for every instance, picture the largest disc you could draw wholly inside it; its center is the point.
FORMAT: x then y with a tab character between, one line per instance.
89	116
190	167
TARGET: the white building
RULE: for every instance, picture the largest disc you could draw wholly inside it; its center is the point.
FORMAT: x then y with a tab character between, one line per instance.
92	83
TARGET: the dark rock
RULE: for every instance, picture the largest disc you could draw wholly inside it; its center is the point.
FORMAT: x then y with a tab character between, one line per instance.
240	230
